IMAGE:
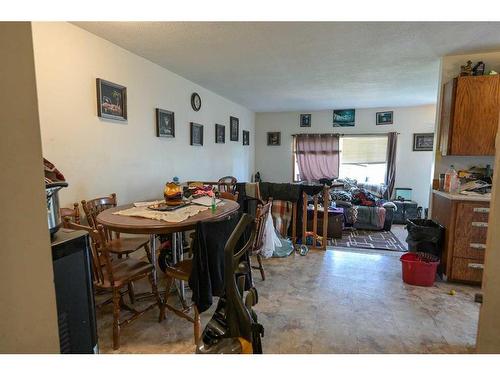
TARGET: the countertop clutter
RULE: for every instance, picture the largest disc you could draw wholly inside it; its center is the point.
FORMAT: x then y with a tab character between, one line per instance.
469	196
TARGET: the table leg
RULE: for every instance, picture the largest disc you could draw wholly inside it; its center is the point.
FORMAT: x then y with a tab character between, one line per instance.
178	255
154	259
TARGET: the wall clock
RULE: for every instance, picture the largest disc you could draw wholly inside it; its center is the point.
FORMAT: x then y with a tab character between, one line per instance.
195	101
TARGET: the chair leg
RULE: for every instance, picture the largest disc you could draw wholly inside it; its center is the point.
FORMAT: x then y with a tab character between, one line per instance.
197	325
169	282
116	319
148	253
154	289
131	293
261	267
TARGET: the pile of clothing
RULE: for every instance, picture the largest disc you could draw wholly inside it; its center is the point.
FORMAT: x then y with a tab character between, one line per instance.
364	205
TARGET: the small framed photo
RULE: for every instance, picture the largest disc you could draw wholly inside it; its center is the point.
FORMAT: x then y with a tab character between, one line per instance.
111	100
274	138
196	134
305	120
220	133
423	141
384	118
165	124
246	138
234	128
344	117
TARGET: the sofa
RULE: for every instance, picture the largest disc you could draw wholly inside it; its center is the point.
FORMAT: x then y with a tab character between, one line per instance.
364	205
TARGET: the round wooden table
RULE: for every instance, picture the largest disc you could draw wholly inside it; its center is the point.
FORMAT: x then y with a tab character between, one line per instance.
140	225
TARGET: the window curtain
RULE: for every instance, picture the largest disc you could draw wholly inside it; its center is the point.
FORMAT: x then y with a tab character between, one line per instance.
317	156
390	176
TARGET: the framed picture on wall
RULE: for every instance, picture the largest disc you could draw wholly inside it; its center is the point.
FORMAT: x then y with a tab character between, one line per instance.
274	138
220	133
196	134
165	125
344	117
384	118
423	141
305	120
111	100
234	128
246	138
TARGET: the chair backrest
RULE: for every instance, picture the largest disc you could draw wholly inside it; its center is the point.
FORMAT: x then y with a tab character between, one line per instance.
101	259
94	207
72	213
228	195
238	316
227	183
260	224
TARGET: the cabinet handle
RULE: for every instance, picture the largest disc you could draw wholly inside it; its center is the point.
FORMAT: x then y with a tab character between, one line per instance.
482	210
476	266
479	224
479	246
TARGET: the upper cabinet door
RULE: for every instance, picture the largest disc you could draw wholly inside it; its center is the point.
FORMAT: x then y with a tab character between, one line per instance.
475	117
447	112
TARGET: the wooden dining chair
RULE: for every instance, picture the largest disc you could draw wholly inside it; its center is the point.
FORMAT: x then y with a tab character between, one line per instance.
228	195
72	213
227	183
116	276
181	272
121	246
263	211
118	245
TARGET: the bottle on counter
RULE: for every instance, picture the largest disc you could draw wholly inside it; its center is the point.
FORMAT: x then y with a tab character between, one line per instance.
451	180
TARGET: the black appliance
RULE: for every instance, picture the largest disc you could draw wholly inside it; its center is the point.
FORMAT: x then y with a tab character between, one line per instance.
71	256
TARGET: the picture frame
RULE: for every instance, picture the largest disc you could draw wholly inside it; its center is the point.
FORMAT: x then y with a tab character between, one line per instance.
234	128
246	138
423	141
165	123
384	118
196	134
274	138
344	117
111	100
305	120
220	133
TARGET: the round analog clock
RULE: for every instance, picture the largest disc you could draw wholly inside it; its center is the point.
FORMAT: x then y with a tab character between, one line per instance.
195	101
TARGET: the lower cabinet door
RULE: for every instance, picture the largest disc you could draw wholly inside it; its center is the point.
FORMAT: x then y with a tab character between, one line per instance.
466	269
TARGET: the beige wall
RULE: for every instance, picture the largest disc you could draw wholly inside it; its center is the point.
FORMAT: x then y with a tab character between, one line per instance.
488	340
28	318
100	156
413	167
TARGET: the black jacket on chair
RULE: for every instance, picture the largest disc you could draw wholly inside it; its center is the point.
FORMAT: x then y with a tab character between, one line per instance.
207	275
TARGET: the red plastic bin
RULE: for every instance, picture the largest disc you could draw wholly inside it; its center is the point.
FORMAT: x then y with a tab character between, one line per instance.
419	268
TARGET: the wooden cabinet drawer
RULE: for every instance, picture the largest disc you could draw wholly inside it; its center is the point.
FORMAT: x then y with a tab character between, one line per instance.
464	269
470	249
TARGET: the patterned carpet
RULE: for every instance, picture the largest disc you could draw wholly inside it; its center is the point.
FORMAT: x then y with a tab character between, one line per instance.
368	240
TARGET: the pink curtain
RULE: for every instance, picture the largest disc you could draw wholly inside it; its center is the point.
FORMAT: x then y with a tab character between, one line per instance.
317	156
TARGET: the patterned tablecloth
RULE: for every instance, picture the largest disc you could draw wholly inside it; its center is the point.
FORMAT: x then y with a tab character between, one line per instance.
175	216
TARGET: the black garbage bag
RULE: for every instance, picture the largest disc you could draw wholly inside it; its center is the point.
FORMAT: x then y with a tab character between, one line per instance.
426	236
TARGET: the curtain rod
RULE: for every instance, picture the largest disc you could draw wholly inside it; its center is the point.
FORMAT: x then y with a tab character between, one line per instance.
342	135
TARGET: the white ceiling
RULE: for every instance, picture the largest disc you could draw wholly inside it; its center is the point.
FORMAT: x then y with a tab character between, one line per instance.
296	66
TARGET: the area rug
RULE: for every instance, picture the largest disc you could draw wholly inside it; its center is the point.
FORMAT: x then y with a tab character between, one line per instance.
368	240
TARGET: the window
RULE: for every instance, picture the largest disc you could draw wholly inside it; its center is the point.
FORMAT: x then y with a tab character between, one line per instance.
363	158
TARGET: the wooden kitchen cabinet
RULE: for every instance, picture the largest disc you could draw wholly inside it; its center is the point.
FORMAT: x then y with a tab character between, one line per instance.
469	115
466	226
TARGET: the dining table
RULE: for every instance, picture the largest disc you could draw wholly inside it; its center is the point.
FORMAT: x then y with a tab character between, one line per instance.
110	219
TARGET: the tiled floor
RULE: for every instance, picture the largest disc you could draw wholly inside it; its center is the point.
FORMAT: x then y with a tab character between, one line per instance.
331	302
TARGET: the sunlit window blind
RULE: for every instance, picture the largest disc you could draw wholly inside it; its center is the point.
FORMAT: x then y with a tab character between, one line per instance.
364	150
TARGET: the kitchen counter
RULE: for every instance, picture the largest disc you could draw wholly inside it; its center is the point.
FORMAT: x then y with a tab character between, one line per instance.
462	197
